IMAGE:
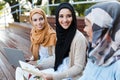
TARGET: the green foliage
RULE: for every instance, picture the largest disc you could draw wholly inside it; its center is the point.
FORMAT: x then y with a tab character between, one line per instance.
80	8
2	4
44	8
52	10
38	2
64	1
79	0
60	1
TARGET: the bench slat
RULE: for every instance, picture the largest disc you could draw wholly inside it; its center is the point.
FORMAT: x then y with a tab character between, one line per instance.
12	37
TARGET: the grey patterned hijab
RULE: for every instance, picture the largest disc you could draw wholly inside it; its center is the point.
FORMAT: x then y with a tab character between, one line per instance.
105	19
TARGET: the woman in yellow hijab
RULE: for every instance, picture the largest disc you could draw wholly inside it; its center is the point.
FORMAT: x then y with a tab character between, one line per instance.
43	40
42	34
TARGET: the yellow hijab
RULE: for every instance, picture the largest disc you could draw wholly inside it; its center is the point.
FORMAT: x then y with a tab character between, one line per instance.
45	37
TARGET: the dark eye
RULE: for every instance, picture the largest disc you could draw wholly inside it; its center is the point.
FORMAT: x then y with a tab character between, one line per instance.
34	19
60	16
41	18
69	15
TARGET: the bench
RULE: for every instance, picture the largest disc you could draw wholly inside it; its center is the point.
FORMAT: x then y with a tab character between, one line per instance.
12	37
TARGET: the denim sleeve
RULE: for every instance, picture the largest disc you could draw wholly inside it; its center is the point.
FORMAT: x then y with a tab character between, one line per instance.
117	74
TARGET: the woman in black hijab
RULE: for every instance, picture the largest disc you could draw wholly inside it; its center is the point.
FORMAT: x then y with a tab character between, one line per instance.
103	28
70	50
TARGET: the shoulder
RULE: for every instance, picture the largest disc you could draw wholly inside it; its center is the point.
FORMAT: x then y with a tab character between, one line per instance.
79	37
78	33
116	69
117	65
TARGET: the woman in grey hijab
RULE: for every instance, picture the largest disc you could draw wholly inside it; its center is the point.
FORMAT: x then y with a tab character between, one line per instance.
103	28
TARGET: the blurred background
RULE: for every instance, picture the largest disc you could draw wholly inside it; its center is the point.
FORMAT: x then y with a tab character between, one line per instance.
18	10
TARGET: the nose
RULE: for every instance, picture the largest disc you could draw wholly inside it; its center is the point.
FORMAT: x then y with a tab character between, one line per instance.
84	29
64	19
39	22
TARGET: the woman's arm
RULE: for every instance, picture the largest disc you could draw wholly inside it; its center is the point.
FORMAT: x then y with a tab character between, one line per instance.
48	62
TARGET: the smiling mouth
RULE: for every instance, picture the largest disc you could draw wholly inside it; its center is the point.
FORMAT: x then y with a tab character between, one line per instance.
39	26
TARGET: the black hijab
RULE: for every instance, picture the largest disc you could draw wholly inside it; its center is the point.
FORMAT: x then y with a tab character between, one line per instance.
64	36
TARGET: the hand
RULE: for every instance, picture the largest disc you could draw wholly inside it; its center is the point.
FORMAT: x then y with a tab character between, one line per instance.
47	76
28	57
33	62
39	67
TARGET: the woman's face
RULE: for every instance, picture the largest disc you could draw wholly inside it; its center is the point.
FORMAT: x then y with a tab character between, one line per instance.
65	18
38	21
88	29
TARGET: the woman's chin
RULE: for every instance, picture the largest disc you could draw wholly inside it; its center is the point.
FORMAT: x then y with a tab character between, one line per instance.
40	28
